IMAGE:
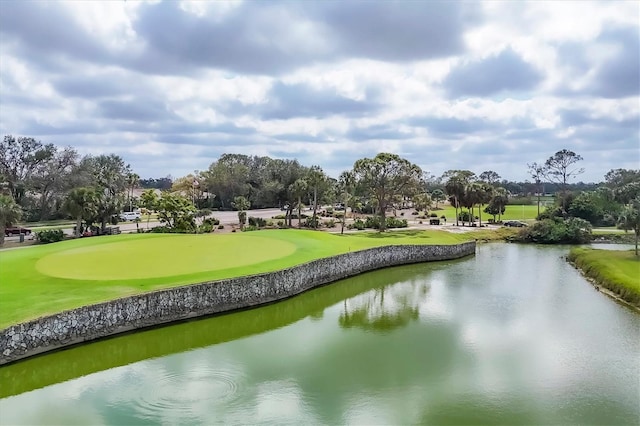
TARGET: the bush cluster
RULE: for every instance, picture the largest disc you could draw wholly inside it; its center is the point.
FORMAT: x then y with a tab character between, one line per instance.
329	223
463	216
557	231
50	236
257	221
208	225
373	222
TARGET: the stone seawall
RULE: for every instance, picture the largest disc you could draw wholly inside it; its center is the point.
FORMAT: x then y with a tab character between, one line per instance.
179	303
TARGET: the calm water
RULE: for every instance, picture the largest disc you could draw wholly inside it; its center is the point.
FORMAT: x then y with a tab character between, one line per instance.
511	336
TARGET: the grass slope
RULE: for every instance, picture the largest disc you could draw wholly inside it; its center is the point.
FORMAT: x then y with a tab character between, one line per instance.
46	279
618	271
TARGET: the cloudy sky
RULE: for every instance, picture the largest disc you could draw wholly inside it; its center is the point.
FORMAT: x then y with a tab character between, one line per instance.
170	86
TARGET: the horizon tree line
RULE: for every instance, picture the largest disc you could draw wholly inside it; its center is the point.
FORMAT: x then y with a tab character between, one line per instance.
49	182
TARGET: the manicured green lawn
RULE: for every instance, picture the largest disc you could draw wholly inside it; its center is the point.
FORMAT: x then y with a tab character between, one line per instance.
515	212
46	279
619	271
608	231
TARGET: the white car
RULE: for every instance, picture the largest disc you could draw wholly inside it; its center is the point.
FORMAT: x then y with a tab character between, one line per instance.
129	216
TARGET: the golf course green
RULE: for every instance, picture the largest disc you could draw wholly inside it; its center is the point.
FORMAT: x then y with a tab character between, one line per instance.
47	279
162	257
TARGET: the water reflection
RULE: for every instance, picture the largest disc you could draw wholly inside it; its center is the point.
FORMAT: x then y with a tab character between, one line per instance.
370	312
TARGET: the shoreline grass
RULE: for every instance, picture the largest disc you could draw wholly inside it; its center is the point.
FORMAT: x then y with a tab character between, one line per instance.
47	279
617	271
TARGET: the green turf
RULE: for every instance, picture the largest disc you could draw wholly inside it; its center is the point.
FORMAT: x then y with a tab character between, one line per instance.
515	212
46	279
608	231
617	270
147	258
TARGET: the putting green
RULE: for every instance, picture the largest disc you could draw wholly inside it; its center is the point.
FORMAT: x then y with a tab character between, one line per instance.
162	257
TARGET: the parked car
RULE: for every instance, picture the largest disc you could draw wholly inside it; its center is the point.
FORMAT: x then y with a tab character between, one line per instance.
515	223
338	206
8	232
129	216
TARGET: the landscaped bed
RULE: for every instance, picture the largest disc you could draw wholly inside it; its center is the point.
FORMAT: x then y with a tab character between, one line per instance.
615	270
47	279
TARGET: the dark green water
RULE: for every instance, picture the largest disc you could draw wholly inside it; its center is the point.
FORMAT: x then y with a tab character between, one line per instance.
511	336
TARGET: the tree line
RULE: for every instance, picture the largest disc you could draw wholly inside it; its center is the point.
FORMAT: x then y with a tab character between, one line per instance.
41	182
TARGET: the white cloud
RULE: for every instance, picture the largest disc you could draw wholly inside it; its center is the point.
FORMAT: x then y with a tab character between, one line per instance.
277	79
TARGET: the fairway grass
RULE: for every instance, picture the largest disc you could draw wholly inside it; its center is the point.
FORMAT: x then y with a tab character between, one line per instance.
512	212
47	279
618	271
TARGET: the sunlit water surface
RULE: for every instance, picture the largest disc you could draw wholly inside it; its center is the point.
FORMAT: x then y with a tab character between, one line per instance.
513	335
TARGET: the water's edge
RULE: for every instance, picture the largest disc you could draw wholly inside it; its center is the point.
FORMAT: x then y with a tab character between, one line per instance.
176	304
601	286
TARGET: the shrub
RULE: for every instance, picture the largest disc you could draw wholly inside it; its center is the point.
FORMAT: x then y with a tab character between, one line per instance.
250	228
257	221
212	221
329	223
391	222
464	216
205	228
220	226
279	216
557	231
338	215
357	224
433	215
50	236
550	213
163	229
309	222
415	213
372	222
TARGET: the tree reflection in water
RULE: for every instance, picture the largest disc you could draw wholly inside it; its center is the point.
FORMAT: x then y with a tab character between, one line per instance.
375	312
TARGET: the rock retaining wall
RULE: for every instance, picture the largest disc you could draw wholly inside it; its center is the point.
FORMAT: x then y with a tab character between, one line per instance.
179	303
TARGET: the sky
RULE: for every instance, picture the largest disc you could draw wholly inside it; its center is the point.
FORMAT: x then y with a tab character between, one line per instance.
170	86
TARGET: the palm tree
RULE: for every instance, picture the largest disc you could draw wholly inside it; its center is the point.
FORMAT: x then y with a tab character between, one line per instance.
473	195
455	188
485	197
630	219
80	203
315	177
10	212
298	189
132	181
346	182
